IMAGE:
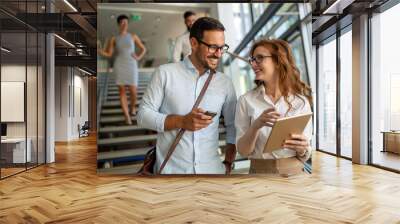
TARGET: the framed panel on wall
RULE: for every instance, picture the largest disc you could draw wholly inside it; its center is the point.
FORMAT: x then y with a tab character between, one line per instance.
12	101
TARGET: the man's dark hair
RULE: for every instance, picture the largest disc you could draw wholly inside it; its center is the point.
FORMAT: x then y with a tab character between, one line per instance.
188	13
121	17
203	24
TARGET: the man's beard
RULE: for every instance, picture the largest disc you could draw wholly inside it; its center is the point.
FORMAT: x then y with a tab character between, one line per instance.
188	28
204	62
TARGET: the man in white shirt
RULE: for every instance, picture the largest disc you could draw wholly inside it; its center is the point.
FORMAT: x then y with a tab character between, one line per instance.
167	106
182	43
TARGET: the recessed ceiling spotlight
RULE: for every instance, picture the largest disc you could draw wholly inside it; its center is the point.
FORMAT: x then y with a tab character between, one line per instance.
64	40
70	5
5	49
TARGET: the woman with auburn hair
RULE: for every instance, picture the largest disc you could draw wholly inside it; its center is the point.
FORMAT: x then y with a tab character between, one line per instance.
279	93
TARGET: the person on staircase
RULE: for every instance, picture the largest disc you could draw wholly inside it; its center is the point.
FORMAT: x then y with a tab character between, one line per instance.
279	92
167	106
125	64
182	46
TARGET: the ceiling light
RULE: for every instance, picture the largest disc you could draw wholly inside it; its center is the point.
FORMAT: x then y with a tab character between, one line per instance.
5	50
338	6
64	40
86	72
70	5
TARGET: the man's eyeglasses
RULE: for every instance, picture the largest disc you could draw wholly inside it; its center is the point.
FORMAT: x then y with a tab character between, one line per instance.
258	58
213	48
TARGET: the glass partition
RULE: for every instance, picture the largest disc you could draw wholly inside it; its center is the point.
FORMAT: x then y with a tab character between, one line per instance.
22	89
327	97
385	89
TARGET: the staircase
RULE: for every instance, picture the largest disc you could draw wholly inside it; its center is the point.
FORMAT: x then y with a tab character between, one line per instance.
121	147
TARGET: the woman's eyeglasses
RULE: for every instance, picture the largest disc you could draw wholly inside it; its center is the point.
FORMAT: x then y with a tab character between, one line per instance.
258	59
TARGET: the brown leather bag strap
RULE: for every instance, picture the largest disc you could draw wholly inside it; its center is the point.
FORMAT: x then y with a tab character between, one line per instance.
181	131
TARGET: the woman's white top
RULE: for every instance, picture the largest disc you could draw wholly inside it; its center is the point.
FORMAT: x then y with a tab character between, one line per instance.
249	108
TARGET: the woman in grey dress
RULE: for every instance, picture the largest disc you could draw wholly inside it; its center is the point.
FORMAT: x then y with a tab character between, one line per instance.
125	64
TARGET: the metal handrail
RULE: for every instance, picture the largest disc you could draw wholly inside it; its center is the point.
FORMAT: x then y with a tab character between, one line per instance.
101	94
237	56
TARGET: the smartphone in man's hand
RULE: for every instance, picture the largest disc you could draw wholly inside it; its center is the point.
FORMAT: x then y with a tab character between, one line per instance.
210	113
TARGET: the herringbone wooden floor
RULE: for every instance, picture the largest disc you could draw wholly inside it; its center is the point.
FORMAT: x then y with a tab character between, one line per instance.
70	191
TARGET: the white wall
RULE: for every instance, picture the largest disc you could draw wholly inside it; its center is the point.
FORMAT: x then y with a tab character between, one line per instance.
61	87
80	94
71	87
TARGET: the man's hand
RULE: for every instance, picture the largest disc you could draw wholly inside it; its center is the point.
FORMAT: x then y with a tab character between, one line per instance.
195	120
230	155
228	168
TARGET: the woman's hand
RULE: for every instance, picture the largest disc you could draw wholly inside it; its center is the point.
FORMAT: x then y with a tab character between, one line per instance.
267	118
299	143
134	56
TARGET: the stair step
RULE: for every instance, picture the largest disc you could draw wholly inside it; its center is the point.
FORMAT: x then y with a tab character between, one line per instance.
141	85
116	103
116	88
113	111
116	97
124	153
126	169
126	140
116	93
112	81
114	119
116	129
222	143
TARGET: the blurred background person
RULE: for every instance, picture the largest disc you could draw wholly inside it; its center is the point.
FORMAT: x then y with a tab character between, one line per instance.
125	66
182	44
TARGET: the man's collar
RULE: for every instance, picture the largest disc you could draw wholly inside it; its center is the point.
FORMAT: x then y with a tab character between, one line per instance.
189	65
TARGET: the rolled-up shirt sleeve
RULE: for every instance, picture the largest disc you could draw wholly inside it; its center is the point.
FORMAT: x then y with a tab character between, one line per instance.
228	111
177	49
148	115
242	120
308	131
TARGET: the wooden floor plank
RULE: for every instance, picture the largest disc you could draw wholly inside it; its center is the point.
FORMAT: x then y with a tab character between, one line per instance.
71	191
